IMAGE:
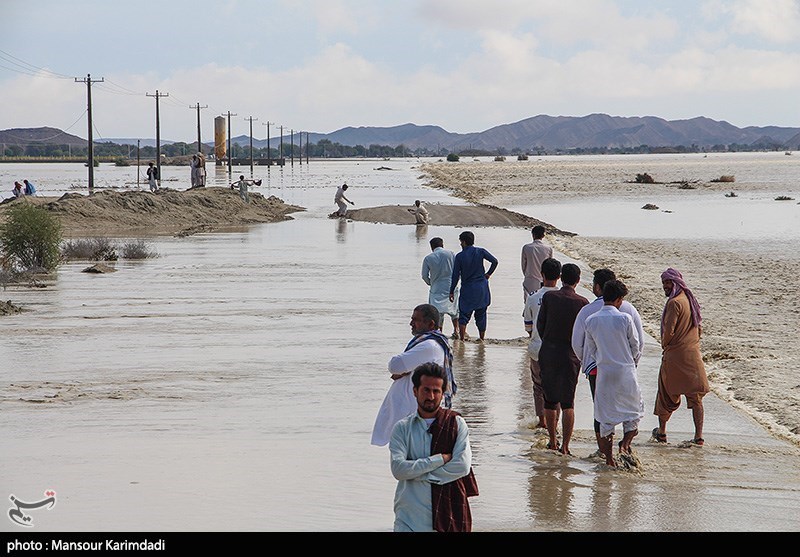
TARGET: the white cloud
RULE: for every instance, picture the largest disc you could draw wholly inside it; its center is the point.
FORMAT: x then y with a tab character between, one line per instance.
773	20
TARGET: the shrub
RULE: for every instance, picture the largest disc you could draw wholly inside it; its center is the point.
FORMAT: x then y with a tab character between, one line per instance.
644	179
92	249
137	249
724	179
452	157
30	236
103	249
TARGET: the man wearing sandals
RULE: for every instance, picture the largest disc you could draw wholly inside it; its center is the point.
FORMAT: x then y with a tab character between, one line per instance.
682	370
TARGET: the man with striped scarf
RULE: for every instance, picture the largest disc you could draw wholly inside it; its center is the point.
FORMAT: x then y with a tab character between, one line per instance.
428	344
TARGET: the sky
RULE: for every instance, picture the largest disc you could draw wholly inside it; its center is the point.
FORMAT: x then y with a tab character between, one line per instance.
321	65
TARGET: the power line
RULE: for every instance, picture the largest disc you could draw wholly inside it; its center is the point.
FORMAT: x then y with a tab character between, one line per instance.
28	67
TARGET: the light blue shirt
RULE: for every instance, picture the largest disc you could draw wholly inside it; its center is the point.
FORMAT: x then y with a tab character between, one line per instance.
437	270
415	470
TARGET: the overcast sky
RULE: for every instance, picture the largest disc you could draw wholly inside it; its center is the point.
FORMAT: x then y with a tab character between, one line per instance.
465	65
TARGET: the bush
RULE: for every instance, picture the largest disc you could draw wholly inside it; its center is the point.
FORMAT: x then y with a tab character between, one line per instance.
92	249
452	157
29	238
644	179
103	249
137	249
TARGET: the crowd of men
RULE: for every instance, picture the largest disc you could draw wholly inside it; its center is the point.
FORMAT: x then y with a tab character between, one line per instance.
428	442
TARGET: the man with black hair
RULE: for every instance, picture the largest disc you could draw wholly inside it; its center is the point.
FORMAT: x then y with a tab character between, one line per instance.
559	365
533	254
588	365
431	459
437	270
613	343
551	272
475	296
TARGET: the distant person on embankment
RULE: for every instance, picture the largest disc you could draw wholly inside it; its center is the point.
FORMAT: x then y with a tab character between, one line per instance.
340	199
420	212
243	185
30	189
152	177
17	191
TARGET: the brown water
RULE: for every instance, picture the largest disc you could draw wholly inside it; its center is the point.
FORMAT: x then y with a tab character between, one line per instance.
232	384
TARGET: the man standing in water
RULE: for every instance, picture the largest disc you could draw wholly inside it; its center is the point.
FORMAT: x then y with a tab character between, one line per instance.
420	212
551	272
588	365
682	371
613	343
475	295
532	256
559	365
437	270
428	344
431	459
340	199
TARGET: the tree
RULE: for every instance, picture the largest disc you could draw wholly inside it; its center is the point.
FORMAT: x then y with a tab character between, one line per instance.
30	237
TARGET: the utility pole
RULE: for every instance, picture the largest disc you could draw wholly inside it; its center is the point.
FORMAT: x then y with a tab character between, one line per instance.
199	144
251	120
300	150
291	139
269	156
280	153
158	133
88	81
306	147
138	161
230	169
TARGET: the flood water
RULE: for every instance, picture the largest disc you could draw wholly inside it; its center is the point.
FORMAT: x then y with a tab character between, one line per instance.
232	383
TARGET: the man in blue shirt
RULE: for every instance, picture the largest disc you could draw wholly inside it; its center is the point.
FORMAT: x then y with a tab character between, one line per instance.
475	295
432	489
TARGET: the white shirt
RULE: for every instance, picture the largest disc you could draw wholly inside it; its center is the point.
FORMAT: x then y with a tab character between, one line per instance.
399	401
612	342
530	314
579	330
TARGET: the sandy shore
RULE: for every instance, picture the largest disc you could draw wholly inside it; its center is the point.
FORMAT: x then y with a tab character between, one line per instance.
167	211
747	312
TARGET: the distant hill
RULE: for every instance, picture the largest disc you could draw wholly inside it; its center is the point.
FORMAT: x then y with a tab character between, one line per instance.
132	141
536	133
27	136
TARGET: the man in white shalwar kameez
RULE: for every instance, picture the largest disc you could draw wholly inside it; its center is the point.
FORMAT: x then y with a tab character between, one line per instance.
437	270
427	345
589	366
612	342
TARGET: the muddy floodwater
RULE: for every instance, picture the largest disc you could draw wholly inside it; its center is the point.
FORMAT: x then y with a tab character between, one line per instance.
231	384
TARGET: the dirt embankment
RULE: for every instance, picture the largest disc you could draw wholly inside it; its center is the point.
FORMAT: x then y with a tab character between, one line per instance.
164	212
452	215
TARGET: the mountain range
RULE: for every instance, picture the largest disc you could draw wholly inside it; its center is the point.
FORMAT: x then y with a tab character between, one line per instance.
532	134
